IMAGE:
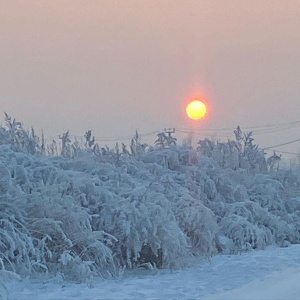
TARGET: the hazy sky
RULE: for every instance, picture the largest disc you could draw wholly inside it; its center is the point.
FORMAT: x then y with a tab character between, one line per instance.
117	66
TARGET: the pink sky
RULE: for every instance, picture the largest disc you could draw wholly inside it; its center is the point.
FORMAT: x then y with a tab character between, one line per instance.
117	66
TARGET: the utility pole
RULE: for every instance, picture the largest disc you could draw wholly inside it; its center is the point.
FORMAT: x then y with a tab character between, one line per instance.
169	131
169	139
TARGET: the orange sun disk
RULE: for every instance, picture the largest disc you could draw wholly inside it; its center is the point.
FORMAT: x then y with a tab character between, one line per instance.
196	110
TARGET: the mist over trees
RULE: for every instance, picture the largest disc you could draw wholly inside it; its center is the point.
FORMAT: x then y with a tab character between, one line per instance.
79	209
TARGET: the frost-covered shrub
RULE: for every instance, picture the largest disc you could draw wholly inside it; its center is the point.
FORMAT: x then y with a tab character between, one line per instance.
200	225
241	153
244	235
19	138
140	219
74	268
5	179
4	136
251	210
93	210
167	158
60	224
5	277
17	251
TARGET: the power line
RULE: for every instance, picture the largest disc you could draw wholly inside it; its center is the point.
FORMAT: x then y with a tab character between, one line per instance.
283	144
284	152
262	126
258	129
275	124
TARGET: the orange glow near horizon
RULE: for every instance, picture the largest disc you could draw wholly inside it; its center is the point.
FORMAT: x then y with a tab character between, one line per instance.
196	110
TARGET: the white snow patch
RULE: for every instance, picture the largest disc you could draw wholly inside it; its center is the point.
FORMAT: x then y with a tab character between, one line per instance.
280	285
270	274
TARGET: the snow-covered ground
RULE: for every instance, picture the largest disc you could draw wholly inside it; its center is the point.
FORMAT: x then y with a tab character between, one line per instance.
270	274
283	285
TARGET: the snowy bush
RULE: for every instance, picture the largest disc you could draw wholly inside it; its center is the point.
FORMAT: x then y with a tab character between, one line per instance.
5	277
140	220
200	225
80	210
242	153
16	245
61	224
5	179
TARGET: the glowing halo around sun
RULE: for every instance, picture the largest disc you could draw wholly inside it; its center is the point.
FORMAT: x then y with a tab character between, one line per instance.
196	110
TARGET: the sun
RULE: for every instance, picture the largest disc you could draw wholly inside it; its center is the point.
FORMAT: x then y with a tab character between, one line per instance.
196	110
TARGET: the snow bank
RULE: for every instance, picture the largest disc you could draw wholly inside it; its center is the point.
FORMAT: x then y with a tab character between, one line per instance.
280	285
275	272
